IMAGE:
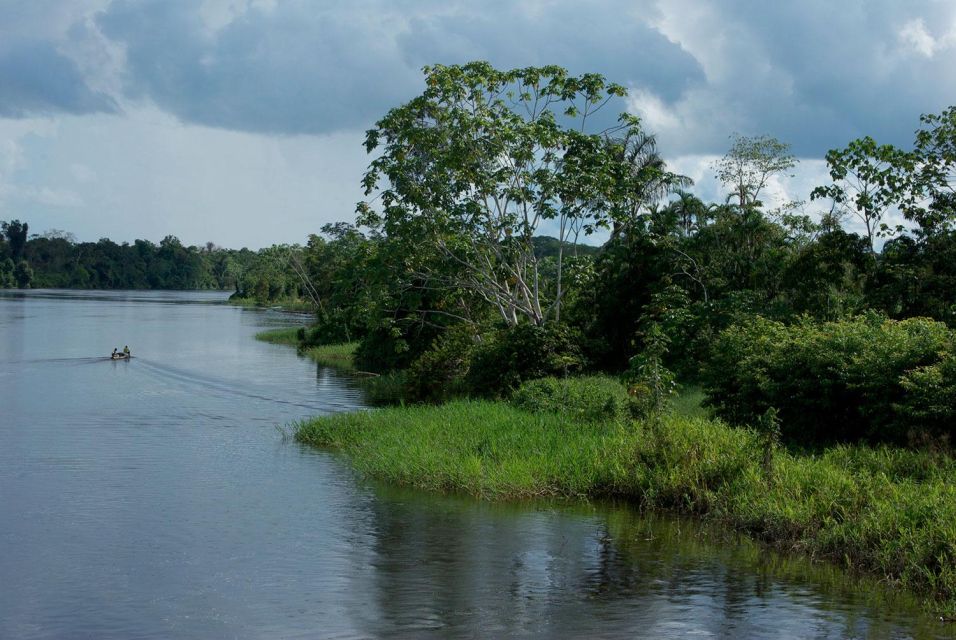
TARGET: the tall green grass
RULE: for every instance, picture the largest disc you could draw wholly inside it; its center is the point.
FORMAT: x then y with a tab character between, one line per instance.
338	356
288	335
886	511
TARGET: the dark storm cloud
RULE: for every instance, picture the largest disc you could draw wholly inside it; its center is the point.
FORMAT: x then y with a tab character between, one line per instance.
611	41
300	68
851	73
36	79
815	73
307	68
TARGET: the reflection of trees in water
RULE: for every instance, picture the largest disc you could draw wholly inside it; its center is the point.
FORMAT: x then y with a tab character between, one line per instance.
445	564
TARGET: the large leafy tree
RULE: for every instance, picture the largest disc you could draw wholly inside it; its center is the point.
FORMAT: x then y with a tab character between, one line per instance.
483	158
870	179
935	179
749	165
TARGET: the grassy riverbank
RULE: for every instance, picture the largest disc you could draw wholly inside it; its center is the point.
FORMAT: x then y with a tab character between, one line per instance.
379	389
288	336
296	305
886	511
338	356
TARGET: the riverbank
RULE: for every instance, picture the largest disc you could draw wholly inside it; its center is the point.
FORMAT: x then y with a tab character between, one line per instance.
885	511
379	390
889	512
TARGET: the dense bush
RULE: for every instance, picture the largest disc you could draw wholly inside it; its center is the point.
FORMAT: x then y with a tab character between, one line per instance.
866	378
439	373
384	349
930	399
524	353
591	398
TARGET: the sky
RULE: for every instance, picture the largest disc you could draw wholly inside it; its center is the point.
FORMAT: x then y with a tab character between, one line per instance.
241	122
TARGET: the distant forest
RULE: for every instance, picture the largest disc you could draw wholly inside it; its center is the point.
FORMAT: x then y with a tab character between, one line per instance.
55	260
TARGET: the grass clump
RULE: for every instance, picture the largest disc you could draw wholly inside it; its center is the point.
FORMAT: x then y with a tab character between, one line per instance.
886	511
287	335
338	356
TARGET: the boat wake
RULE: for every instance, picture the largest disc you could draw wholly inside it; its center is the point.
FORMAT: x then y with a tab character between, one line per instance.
193	379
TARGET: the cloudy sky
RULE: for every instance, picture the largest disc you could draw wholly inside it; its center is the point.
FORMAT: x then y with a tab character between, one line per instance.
241	121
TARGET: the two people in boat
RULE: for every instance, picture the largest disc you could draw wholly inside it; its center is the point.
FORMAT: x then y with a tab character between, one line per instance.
120	354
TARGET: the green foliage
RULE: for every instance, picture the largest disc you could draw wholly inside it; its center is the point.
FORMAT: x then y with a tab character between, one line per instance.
439	373
523	353
930	398
288	335
870	179
916	277
7	279
750	164
385	348
16	235
337	356
932	201
22	274
651	383
836	381
589	398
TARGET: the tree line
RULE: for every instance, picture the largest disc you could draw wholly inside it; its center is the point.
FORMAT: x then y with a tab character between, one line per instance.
55	260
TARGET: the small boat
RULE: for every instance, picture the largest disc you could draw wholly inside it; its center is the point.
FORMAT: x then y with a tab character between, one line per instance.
119	356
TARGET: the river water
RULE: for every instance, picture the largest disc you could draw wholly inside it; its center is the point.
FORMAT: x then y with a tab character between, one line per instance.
160	498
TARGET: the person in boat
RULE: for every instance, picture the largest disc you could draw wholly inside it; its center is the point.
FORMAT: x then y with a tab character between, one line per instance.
115	353
126	351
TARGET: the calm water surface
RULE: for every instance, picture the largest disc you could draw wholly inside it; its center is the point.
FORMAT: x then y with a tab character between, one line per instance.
157	498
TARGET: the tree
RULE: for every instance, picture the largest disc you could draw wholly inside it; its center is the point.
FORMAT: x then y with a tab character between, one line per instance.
935	178
16	233
481	159
7	281
22	274
869	179
750	164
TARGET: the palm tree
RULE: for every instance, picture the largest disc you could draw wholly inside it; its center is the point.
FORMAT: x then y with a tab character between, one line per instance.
646	181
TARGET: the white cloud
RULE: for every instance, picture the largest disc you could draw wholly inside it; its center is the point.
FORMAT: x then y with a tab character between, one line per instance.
914	36
147	175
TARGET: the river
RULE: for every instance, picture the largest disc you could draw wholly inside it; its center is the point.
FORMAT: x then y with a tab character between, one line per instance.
162	498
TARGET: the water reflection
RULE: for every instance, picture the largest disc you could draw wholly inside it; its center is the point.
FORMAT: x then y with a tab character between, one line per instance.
605	571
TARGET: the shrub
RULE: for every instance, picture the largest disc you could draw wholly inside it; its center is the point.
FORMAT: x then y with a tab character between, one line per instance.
930	399
439	373
521	353
835	381
651	383
590	398
382	350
